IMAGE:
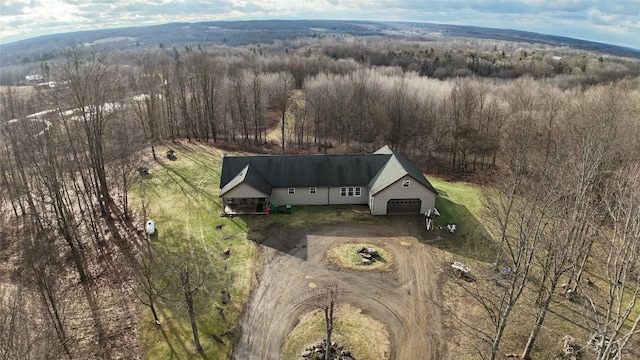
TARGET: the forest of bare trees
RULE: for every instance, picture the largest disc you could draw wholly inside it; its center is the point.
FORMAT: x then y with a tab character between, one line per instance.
557	140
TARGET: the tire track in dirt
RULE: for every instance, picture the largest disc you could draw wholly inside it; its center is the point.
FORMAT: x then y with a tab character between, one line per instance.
404	298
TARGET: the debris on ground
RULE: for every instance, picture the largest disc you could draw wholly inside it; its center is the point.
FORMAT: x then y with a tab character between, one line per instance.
368	255
451	228
461	267
599	342
507	272
569	349
143	171
318	350
463	271
225	297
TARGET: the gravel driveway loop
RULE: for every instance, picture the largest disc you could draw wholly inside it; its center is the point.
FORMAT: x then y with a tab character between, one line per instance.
404	298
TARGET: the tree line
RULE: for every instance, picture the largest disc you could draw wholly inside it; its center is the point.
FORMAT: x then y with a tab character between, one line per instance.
64	177
565	210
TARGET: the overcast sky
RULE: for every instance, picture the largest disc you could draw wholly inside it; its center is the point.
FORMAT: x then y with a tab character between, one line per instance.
608	21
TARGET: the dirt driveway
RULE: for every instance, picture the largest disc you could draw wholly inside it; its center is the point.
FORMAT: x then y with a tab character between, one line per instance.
404	298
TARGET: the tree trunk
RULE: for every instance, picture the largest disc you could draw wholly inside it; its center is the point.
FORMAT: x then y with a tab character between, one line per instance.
583	263
500	331
284	111
50	304
540	316
194	327
188	296
153	311
328	317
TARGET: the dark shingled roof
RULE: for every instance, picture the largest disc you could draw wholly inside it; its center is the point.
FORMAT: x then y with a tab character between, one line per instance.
377	170
395	169
307	170
250	176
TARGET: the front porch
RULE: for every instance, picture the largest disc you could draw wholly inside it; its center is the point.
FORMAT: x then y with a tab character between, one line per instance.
244	206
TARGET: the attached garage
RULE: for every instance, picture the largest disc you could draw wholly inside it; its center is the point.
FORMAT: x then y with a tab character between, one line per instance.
403	206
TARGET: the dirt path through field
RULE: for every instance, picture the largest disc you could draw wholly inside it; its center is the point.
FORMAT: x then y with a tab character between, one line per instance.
404	298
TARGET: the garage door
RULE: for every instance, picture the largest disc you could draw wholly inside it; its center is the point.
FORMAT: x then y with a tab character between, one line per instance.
403	206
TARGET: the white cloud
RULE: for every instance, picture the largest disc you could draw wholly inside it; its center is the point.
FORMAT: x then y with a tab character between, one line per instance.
613	21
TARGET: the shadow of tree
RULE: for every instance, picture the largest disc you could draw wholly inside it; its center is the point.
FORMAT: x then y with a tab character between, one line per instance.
170	326
471	238
193	191
191	152
288	241
173	353
184	180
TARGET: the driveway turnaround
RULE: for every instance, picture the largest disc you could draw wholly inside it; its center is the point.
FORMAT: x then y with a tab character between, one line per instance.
404	298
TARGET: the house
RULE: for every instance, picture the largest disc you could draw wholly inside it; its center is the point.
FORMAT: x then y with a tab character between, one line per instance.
385	181
33	78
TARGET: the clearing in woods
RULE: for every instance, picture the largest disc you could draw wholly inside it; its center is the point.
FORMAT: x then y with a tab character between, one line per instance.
404	299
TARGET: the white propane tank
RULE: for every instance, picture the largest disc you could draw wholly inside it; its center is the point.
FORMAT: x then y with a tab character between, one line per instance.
151	227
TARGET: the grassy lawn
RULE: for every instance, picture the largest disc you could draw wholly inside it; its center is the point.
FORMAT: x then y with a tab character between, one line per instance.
462	204
302	217
352	329
182	198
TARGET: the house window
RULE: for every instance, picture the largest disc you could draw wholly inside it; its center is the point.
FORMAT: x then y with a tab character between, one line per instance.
292	191
406	183
312	190
350	191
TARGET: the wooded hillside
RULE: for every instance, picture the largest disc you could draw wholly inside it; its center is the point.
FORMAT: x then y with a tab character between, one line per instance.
554	132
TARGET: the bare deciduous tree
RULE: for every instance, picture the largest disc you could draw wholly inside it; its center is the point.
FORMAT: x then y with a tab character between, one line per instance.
191	273
324	297
282	89
151	284
616	324
92	88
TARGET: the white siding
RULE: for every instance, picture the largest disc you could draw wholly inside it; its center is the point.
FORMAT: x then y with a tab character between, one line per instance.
323	196
281	196
244	191
378	203
335	198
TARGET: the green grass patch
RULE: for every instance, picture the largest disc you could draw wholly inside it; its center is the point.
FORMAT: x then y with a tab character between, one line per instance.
302	217
462	204
365	337
346	256
182	198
